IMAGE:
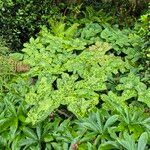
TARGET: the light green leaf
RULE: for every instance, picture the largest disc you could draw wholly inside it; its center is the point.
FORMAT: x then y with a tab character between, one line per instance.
111	120
29	133
142	141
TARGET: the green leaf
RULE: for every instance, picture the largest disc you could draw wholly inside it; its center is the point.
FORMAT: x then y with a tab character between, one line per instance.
143	141
56	146
39	131
14	126
69	33
30	133
108	145
128	142
11	107
111	120
27	142
88	137
15	143
48	138
144	96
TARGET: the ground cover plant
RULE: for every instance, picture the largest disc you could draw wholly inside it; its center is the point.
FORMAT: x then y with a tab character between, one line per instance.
80	84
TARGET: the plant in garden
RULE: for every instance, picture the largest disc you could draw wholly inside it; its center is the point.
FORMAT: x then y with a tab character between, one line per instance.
101	132
77	87
64	76
97	127
129	143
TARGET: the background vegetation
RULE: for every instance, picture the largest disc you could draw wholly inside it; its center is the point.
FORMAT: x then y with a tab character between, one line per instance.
74	75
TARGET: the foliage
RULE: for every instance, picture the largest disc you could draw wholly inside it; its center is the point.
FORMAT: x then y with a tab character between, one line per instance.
82	83
22	19
5	67
101	132
64	75
142	30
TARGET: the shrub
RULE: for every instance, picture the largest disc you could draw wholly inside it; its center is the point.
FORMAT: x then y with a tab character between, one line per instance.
22	18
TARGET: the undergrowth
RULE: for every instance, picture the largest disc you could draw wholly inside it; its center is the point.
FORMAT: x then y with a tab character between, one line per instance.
81	85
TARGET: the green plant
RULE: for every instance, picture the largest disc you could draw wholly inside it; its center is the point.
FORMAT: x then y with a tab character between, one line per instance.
142	29
102	130
97	127
66	76
11	121
22	19
82	86
129	143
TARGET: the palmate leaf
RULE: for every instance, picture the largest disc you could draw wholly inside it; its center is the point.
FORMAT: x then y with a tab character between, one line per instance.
130	118
42	110
129	143
97	125
15	143
13	127
57	146
146	123
88	137
132	81
78	101
115	36
133	84
94	56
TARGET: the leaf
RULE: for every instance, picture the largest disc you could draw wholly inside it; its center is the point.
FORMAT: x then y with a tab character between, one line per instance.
144	96
142	141
65	146
111	120
128	142
56	146
30	133
69	33
4	120
88	137
39	131
48	146
48	138
90	30
108	145
11	107
15	143
27	142
32	40
13	127
99	121
90	146
16	56
57	28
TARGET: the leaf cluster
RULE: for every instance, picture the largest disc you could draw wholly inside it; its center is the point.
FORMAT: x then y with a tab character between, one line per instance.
82	88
